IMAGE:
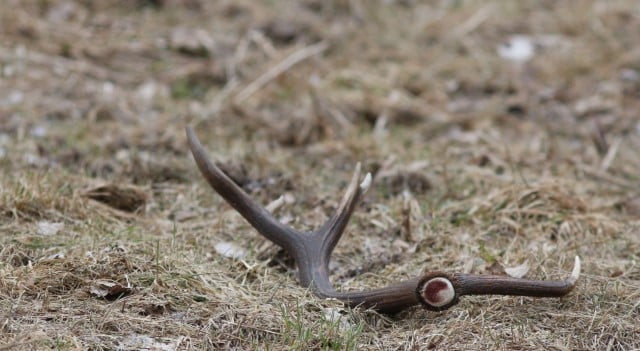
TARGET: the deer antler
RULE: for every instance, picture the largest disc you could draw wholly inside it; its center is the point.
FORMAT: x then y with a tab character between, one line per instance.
436	291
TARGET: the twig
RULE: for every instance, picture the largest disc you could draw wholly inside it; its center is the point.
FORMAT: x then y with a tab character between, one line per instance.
610	155
73	65
608	178
278	69
473	22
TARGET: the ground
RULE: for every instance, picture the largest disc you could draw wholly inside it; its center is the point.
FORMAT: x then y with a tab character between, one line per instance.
501	135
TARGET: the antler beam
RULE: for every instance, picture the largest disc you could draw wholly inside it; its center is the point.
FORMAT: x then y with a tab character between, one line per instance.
311	251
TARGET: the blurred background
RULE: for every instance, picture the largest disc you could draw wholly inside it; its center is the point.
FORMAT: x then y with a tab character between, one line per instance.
500	134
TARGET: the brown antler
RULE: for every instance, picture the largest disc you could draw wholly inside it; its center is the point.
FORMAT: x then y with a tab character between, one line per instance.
311	251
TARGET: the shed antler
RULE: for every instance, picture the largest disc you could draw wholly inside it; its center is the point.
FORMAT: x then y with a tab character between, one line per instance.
436	291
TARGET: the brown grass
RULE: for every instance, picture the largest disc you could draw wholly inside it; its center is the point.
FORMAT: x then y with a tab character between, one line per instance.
479	163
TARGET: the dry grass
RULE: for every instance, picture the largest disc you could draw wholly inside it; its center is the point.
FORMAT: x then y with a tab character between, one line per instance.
108	232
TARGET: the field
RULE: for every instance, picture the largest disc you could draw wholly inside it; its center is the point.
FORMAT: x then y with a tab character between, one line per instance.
502	136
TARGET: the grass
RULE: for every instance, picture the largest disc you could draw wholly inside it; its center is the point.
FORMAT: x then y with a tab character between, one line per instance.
479	163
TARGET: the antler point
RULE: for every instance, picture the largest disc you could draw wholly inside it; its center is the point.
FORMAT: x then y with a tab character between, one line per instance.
366	182
575	274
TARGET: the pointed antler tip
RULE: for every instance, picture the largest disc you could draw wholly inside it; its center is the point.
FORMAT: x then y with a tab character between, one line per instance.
575	274
192	138
366	182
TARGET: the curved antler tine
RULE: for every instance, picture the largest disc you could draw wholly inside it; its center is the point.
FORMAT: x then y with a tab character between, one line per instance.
332	230
255	214
439	291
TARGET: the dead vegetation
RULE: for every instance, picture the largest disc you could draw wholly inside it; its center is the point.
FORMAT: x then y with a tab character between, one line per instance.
490	153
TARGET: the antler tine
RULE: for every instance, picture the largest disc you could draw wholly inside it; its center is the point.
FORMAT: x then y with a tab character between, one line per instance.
504	285
255	214
331	232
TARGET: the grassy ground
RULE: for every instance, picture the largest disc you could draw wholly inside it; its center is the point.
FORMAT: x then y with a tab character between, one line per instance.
481	163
